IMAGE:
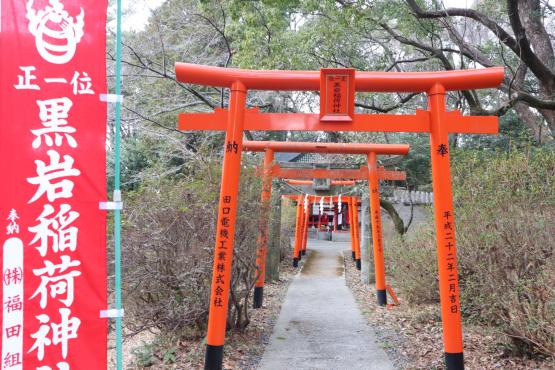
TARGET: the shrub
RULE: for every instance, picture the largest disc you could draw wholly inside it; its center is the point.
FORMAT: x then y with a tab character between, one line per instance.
505	207
504	204
168	243
411	260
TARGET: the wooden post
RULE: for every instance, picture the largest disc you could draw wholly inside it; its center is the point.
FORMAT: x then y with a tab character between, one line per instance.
225	230
357	234
335	216
445	232
379	266
262	240
351	229
365	240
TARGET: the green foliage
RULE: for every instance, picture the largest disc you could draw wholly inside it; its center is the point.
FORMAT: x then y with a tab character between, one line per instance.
144	354
417	163
154	352
512	134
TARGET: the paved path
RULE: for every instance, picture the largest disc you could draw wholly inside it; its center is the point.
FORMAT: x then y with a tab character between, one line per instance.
320	326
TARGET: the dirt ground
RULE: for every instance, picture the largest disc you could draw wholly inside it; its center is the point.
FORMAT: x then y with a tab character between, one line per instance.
412	335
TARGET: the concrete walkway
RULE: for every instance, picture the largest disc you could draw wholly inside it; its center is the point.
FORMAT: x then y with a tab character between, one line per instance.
320	326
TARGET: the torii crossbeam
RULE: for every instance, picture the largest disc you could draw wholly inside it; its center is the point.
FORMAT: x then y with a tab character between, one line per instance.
311	182
360	173
337	89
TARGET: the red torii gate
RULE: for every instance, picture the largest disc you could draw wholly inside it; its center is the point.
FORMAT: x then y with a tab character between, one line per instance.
336	173
337	87
291	174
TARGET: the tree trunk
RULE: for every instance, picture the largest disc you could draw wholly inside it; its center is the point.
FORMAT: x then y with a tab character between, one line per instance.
274	250
397	220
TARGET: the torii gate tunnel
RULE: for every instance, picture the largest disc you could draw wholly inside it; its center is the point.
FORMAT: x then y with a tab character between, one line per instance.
352	203
337	90
323	173
290	175
371	151
301	225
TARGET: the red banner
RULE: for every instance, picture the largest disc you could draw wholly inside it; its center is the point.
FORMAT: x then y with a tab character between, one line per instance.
53	176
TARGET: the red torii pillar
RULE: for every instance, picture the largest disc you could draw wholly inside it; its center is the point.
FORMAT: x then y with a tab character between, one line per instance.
350	208
377	242
304	241
262	240
298	232
436	120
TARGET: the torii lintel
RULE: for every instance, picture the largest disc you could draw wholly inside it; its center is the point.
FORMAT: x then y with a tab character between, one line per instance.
324	173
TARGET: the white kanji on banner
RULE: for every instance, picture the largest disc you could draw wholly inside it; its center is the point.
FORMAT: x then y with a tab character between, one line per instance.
59	365
55	334
54	229
24	81
56	281
53	114
53	171
81	84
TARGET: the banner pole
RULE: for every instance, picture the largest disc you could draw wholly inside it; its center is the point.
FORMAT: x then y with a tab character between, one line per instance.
117	194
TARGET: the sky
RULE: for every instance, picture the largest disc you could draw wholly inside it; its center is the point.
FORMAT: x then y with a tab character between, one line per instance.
138	19
142	9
